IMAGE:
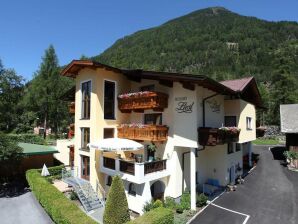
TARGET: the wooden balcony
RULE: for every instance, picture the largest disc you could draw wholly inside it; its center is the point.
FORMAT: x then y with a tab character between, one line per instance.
71	108
154	133
141	101
71	131
217	136
260	132
151	167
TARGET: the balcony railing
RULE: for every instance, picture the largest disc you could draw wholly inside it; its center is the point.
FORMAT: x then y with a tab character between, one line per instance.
134	171
218	136
127	167
155	133
260	132
141	101
71	108
109	163
155	166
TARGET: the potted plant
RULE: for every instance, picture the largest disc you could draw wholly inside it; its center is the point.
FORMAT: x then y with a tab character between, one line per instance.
152	147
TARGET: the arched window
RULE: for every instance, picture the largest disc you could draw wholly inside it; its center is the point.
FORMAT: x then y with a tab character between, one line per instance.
132	189
109	181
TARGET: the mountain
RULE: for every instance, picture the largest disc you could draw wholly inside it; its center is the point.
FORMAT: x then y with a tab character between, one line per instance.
213	41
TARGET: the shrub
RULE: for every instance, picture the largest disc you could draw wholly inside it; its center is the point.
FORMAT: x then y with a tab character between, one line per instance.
185	201
157	204
73	195
28	138
179	208
149	205
201	200
116	210
170	203
156	216
59	208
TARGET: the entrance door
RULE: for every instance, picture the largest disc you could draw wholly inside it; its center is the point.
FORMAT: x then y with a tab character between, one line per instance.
85	170
232	175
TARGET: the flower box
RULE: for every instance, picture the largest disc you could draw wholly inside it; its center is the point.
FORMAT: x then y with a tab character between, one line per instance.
217	136
141	132
140	101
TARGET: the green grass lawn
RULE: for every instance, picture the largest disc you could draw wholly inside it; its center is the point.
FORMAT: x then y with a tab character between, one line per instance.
261	141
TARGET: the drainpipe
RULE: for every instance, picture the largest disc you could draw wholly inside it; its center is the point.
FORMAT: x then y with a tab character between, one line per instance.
208	97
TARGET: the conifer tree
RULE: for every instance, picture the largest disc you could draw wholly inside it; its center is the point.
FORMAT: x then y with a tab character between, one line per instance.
116	210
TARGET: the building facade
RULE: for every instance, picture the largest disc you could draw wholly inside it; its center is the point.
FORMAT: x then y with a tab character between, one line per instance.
180	120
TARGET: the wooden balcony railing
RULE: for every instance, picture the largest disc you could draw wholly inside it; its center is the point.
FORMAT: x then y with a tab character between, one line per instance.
260	132
71	108
141	101
109	163
216	136
71	131
155	166
155	133
127	167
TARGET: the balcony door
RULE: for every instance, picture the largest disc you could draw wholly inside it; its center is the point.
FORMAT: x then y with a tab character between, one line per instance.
85	167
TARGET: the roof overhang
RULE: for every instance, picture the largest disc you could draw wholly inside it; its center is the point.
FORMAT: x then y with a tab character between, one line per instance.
73	68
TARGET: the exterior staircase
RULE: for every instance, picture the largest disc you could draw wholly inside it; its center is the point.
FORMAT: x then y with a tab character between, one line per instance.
87	196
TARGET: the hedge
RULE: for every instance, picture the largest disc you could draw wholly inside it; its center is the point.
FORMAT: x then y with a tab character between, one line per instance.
156	216
27	138
59	208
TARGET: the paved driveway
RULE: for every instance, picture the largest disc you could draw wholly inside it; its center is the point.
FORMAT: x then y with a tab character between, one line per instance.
269	195
22	209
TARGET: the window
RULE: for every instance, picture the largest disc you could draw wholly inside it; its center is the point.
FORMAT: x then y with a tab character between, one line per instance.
230	121
147	88
153	119
109	181
132	189
248	123
86	95
85	132
230	148
108	133
109	100
238	147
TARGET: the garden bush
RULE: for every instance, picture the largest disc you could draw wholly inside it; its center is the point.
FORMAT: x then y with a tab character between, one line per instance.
156	216
59	208
149	205
116	210
185	201
27	138
201	200
157	204
170	203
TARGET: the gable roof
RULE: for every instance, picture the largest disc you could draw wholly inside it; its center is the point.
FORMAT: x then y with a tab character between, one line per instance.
289	118
237	85
247	89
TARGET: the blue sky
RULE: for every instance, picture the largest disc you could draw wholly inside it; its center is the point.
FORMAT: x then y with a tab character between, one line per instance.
76	27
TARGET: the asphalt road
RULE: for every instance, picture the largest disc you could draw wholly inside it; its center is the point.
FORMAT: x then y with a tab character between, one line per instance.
269	195
22	209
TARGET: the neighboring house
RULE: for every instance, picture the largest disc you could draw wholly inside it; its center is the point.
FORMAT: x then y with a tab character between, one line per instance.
40	130
174	111
36	155
289	125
